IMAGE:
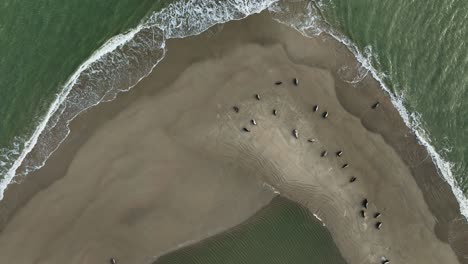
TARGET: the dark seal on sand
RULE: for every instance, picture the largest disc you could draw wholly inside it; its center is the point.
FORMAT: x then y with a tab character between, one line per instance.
345	165
257	96
324	153
365	203
325	114
295	133
375	105
353	179
296	81
378	225
246	129
339	153
236	109
362	213
278	82
275	112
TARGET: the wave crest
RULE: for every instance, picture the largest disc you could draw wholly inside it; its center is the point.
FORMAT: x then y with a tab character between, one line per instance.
118	65
366	58
127	58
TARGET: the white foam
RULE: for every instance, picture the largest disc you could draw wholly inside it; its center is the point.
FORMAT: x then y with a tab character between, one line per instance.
412	121
178	20
54	123
109	46
182	19
318	218
186	18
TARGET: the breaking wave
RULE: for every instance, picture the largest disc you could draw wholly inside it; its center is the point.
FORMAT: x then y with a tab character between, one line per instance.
309	22
125	59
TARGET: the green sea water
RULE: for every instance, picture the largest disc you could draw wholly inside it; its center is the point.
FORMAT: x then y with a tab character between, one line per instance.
42	43
420	49
417	47
282	232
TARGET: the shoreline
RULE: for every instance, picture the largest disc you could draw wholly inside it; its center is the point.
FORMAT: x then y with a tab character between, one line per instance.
323	27
443	166
244	237
34	146
400	143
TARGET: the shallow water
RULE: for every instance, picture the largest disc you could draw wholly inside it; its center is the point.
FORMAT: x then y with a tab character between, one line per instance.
282	232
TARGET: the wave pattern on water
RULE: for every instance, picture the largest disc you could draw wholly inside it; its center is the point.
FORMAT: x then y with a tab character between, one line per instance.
127	58
115	67
281	232
310	23
182	19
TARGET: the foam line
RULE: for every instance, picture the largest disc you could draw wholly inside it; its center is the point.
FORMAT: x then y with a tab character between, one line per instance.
311	24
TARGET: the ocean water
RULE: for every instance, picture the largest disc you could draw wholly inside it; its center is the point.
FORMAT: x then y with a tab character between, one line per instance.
419	51
56	60
42	44
415	49
282	232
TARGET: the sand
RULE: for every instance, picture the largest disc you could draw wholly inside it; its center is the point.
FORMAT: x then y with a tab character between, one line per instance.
168	162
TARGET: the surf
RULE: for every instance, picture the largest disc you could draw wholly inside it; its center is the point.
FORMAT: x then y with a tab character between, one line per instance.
316	25
179	20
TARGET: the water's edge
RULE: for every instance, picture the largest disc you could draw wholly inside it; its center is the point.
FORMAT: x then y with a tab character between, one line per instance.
314	25
139	50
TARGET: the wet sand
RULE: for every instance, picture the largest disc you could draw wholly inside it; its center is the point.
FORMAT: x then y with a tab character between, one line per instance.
169	163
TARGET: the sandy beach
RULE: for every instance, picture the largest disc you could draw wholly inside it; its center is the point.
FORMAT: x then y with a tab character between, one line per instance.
169	162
